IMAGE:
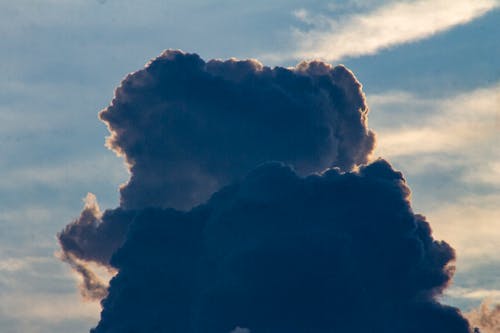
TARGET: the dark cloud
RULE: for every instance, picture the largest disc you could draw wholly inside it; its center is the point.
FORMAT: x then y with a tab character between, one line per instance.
186	127
279	250
92	287
95	236
340	252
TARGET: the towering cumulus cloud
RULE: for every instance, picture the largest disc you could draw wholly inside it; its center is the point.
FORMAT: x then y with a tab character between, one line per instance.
340	252
186	127
250	208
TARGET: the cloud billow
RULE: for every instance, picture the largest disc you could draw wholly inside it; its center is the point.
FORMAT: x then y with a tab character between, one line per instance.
280	253
94	236
186	127
316	241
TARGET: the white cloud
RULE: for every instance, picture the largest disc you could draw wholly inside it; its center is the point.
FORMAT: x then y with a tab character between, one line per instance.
395	23
489	173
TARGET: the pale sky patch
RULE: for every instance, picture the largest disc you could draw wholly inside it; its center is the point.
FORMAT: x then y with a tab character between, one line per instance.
47	308
19	264
104	167
37	293
386	26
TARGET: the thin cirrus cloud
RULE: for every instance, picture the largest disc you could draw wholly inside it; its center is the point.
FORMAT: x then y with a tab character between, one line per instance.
389	25
469	119
478	294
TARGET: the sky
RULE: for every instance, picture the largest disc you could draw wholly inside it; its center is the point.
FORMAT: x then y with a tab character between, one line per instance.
430	71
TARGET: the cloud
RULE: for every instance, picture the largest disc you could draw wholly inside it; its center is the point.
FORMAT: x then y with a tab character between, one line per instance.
280	253
392	24
94	236
30	310
317	240
186	127
92	288
444	145
38	295
486	317
485	174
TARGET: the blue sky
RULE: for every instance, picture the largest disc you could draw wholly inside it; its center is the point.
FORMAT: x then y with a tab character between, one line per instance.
432	84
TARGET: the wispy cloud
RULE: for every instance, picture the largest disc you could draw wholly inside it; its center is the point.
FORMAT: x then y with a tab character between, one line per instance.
461	124
478	294
392	24
18	264
38	296
472	226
